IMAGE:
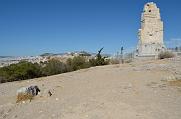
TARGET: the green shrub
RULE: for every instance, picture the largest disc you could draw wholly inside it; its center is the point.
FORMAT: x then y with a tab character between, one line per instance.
78	62
99	60
20	71
2	79
53	67
165	54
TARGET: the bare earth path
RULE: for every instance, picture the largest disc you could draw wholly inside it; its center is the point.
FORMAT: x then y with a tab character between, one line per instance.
139	90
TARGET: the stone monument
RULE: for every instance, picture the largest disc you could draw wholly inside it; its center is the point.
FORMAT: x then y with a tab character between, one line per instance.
151	33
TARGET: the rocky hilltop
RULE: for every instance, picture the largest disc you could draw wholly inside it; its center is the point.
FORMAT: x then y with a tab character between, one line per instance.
138	90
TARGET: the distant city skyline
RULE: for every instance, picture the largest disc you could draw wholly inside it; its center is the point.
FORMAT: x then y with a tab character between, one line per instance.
34	27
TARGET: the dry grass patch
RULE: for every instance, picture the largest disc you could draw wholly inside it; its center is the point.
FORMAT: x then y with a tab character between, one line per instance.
166	54
115	61
176	83
24	97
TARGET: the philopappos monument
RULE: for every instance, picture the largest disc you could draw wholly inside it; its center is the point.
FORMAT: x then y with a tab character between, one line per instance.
150	35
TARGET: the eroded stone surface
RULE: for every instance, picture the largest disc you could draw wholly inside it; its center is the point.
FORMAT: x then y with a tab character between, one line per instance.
151	32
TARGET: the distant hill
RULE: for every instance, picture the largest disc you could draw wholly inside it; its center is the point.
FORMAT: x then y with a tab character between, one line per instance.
6	56
78	52
47	54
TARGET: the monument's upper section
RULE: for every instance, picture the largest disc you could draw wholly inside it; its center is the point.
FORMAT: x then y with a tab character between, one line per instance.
150	10
151	25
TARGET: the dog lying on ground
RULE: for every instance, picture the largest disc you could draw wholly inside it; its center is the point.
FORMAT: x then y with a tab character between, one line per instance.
27	93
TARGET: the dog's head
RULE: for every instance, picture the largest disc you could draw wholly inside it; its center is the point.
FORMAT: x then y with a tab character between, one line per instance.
37	89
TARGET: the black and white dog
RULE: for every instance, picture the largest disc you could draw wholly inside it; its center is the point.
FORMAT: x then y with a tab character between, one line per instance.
33	90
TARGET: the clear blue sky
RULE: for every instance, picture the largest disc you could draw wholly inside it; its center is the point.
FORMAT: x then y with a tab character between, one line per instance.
32	27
